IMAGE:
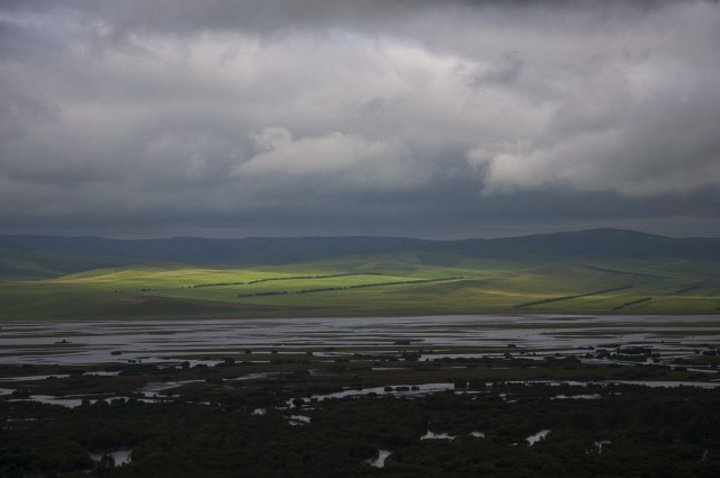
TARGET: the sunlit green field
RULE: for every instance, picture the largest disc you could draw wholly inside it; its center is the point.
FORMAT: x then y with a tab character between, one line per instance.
399	284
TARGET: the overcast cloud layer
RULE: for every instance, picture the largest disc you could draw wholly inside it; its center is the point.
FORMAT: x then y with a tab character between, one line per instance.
424	118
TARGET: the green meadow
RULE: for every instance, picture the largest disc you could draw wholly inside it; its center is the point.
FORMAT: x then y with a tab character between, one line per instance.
382	284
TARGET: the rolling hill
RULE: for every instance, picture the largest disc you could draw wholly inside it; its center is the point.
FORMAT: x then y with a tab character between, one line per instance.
602	271
48	256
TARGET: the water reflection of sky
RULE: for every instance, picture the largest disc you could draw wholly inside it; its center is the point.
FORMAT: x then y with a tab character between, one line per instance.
154	340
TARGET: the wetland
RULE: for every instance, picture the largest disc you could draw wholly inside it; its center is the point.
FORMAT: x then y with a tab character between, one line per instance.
523	395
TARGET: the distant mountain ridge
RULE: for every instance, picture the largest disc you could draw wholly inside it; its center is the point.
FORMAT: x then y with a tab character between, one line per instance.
613	242
48	256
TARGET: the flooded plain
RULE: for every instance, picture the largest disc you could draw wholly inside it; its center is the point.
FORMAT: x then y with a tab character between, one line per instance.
401	389
665	338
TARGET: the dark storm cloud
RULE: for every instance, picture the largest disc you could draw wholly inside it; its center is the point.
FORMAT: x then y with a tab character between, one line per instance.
336	117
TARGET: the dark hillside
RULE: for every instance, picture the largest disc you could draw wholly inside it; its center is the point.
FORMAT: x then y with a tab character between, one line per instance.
594	242
47	256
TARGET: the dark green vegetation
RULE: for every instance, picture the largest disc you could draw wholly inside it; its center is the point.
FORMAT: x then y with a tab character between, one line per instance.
596	272
207	425
317	403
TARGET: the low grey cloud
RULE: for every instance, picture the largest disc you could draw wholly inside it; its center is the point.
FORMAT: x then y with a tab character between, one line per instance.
419	118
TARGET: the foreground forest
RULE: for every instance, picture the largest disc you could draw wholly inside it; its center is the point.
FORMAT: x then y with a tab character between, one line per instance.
482	417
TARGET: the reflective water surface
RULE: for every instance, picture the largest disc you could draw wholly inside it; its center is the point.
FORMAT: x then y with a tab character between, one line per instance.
105	341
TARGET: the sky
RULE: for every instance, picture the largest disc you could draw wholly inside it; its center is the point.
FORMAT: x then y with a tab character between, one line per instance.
436	119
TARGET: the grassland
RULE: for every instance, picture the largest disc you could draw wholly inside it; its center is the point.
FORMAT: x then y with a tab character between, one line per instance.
383	284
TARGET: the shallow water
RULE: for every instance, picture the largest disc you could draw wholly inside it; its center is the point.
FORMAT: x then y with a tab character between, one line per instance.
587	396
105	341
537	437
120	457
639	383
395	390
296	420
379	462
74	401
30	378
437	436
151	390
67	402
599	445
